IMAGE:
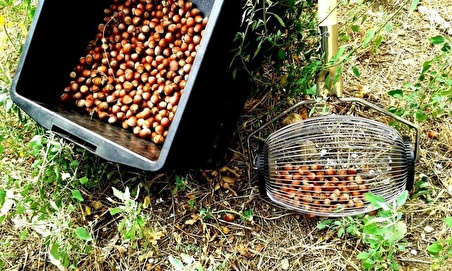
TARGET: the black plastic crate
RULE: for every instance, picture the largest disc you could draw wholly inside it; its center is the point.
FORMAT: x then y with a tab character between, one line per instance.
207	113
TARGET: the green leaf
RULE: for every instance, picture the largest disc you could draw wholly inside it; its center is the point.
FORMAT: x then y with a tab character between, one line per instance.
281	54
280	20
373	229
324	224
83	234
376	201
23	235
340	232
130	234
83	180
396	93
140	221
401	199
388	27
369	36
413	7
54	251
312	90
420	116
116	210
435	248
339	53
363	255
437	39
446	48
77	195
379	41
176	263
398	232
448	221
355	71
355	28
2	196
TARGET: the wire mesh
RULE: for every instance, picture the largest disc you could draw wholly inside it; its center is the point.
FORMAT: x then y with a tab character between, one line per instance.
325	165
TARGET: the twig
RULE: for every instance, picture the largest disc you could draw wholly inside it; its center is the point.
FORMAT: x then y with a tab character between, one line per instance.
25	260
235	224
414	260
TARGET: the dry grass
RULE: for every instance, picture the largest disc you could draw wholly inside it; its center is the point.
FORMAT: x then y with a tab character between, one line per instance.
270	238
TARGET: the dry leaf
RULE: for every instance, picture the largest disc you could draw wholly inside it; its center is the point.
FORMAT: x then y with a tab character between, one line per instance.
146	202
155	236
292	118
304	113
214	173
177	237
121	250
96	204
259	247
193	220
190	196
244	251
87	210
228	179
230	170
228	187
225	229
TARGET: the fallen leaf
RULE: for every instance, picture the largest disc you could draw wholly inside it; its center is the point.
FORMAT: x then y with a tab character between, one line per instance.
259	247
96	205
243	250
87	210
193	220
225	169
225	229
154	236
292	118
228	179
228	187
177	237
190	196
121	250
304	114
146	202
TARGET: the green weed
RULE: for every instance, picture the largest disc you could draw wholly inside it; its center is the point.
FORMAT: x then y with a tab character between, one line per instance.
133	224
281	33
345	226
441	250
382	233
423	189
430	96
180	185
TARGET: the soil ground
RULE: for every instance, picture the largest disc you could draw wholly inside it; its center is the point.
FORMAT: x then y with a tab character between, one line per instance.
268	237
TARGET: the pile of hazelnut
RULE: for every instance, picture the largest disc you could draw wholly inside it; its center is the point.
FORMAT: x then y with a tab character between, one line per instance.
135	69
318	189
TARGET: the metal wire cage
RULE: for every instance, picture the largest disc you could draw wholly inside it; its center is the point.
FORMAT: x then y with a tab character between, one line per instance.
325	165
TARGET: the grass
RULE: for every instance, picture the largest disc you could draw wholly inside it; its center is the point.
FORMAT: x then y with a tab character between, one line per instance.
62	208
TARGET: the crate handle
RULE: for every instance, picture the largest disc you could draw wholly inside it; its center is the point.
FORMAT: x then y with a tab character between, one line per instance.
73	138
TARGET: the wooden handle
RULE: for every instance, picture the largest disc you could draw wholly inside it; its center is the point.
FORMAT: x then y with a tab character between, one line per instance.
327	12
